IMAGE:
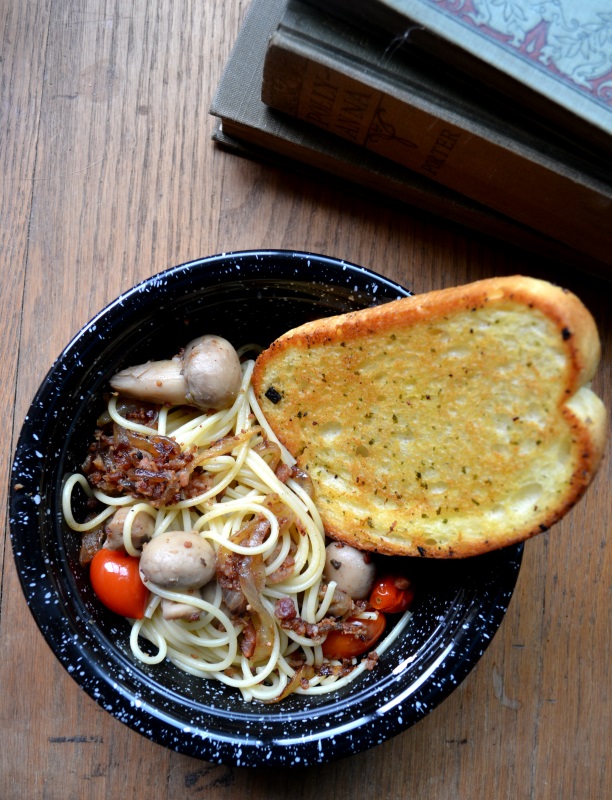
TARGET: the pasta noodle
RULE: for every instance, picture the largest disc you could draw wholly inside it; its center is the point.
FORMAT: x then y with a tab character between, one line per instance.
241	486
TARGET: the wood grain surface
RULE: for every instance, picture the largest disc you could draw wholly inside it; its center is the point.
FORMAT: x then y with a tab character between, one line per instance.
108	175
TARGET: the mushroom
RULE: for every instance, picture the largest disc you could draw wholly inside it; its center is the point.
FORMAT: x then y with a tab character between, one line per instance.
341	604
206	374
352	569
173	610
142	529
178	560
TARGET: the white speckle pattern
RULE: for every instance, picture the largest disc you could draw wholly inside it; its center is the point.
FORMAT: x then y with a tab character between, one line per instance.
245	296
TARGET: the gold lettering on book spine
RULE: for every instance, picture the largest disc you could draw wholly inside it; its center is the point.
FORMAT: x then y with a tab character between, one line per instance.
441	150
368	117
337	104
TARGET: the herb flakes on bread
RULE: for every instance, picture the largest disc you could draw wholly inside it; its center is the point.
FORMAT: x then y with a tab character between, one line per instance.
446	424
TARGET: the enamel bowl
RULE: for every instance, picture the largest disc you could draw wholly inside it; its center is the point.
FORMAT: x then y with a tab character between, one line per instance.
246	297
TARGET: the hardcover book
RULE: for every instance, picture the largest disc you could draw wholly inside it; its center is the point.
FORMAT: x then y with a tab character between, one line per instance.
554	57
328	75
246	126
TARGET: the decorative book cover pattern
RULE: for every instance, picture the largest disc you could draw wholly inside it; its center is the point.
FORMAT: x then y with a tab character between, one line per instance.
565	39
559	49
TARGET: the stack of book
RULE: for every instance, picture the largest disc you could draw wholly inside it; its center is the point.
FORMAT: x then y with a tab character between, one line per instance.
477	118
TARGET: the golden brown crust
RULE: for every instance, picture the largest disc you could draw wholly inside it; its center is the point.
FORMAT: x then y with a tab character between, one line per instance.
446	424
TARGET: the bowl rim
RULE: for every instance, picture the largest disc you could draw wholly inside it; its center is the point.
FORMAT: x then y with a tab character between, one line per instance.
86	653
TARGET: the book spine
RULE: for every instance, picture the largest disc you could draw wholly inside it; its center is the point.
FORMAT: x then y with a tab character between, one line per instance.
322	95
322	88
493	54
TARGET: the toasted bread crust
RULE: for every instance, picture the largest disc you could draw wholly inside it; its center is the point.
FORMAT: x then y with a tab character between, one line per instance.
446	424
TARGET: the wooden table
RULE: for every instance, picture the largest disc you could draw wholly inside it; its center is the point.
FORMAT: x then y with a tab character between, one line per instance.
109	175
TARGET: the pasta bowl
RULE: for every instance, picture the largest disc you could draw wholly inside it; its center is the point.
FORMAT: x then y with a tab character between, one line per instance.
246	297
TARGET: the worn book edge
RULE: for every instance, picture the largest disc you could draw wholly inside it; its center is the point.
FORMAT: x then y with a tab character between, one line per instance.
245	118
453	33
307	77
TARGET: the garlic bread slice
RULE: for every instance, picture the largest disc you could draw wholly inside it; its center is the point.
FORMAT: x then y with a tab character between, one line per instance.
446	424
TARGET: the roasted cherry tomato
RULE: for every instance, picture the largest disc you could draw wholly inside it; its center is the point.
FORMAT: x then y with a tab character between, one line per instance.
339	644
116	581
393	594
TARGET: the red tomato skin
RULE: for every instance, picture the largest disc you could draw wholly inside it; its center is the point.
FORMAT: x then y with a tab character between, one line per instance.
392	594
340	645
116	581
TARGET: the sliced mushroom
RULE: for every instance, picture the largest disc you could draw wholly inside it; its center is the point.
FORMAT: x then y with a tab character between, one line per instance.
142	529
341	605
178	560
173	610
352	569
207	374
156	382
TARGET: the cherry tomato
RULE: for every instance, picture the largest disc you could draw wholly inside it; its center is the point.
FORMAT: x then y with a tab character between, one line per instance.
393	594
116	581
339	644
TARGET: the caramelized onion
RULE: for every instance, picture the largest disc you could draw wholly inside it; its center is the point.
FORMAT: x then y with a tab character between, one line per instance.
301	676
304	481
223	446
149	467
252	580
270	452
245	575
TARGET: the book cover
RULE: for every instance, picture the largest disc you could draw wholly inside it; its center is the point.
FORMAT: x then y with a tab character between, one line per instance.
326	75
553	56
247	126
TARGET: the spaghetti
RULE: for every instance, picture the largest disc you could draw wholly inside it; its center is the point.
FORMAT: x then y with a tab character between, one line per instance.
240	490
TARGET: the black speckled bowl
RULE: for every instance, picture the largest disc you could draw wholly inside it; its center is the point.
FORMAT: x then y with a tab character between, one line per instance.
246	297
